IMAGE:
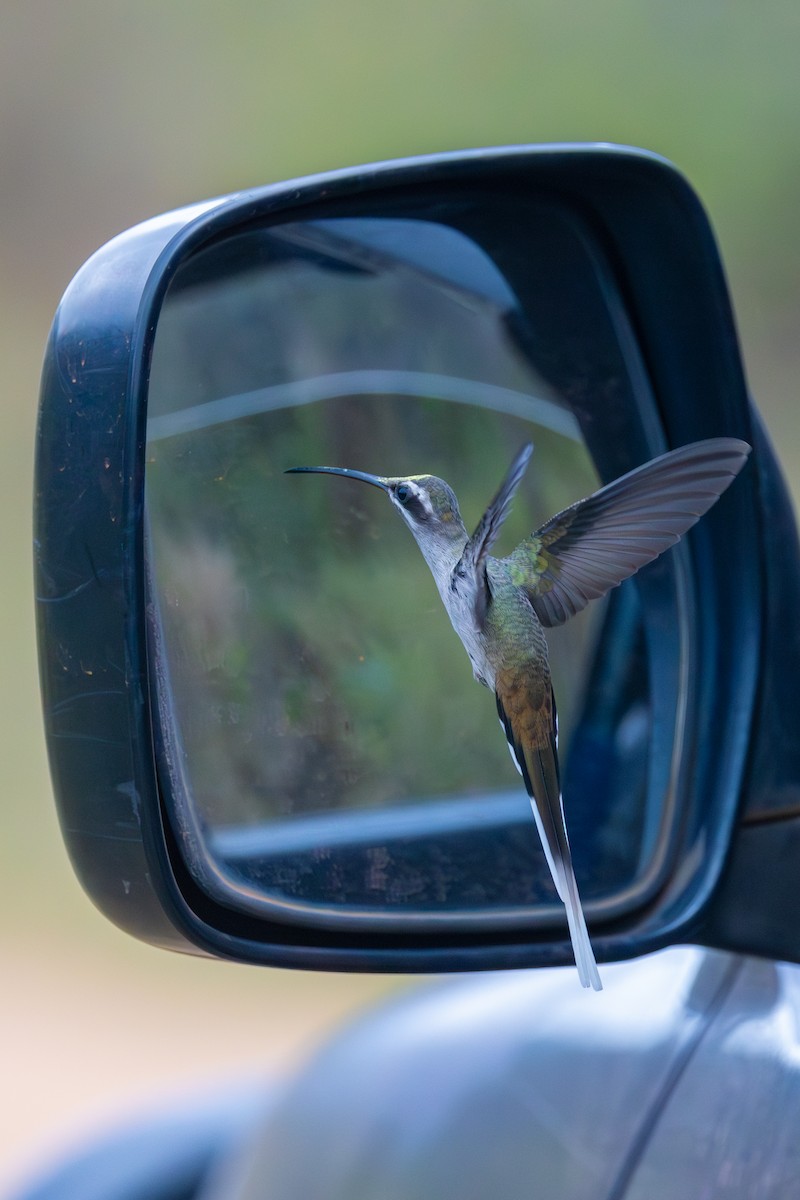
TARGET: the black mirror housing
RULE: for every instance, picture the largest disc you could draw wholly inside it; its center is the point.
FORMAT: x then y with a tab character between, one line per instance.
138	849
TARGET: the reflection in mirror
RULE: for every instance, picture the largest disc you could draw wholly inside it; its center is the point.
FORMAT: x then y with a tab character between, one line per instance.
326	749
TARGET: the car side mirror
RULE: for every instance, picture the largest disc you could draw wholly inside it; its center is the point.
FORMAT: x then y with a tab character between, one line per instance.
264	740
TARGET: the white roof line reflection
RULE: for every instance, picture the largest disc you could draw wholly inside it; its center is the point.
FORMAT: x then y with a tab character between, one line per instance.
538	409
424	818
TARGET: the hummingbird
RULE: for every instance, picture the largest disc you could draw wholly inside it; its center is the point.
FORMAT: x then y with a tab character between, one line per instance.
500	607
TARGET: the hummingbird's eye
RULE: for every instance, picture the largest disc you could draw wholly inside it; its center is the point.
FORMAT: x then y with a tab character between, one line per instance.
403	493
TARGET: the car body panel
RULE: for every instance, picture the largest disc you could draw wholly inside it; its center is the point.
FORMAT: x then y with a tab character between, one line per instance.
681	1079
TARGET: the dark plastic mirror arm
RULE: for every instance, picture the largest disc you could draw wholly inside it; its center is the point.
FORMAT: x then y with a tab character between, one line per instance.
756	908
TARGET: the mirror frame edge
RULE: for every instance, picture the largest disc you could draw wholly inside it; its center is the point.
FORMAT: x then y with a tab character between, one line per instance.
154	906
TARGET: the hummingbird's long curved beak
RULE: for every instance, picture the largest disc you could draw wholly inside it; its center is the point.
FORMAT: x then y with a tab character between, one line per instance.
375	480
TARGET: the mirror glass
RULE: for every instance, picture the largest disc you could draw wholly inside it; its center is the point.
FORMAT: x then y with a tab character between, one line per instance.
325	748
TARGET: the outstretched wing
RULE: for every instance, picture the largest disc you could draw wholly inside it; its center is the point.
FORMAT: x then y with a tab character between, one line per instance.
590	547
528	716
473	561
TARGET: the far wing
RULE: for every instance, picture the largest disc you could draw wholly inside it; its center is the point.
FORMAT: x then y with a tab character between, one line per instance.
473	559
590	547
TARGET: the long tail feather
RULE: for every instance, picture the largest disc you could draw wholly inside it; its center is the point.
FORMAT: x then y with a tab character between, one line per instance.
539	769
548	811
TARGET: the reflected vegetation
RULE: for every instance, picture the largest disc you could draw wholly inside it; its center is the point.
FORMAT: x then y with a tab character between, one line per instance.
312	671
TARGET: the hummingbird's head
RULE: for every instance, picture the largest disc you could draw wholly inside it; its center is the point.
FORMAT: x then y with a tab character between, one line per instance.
427	504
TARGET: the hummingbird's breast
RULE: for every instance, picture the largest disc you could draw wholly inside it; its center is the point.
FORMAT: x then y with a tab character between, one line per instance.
461	608
511	638
513	634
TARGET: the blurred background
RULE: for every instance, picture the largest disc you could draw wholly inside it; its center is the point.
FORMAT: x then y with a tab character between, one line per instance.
111	111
